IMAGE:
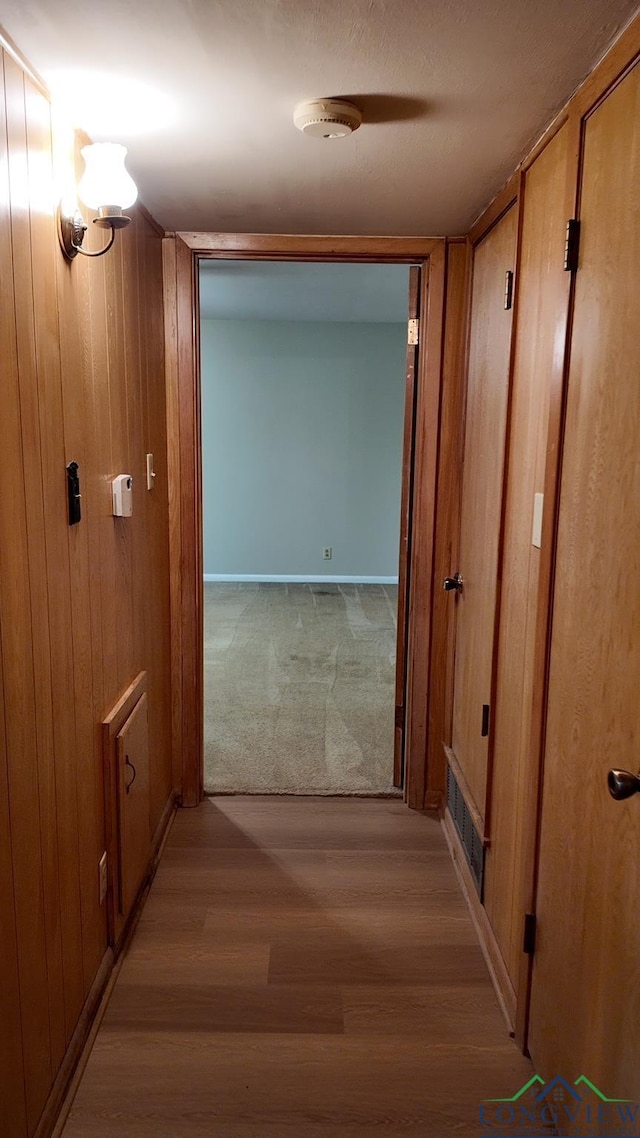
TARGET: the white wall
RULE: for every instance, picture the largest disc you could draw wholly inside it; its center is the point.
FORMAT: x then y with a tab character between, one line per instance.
302	447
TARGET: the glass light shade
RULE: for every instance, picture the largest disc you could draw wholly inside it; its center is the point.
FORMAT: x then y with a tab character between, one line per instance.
106	181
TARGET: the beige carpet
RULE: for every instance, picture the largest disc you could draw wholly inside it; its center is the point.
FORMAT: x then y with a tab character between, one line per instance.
299	688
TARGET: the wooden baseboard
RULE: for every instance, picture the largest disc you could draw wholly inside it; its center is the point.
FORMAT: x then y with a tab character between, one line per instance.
76	1048
76	1057
488	943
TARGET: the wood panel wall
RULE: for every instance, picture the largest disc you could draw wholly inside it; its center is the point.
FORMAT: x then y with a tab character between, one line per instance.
82	609
546	187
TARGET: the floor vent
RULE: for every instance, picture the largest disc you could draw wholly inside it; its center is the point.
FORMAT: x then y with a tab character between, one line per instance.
471	840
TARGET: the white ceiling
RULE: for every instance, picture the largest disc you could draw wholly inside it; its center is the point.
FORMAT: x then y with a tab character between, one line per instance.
452	92
256	290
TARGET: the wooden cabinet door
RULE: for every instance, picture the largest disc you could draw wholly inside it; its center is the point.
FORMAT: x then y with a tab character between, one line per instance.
132	750
585	1006
484	446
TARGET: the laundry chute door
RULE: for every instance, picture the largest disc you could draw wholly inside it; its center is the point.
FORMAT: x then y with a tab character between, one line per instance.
480	514
405	521
585	1006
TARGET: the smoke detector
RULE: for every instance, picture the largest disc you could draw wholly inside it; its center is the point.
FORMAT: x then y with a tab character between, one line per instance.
327	118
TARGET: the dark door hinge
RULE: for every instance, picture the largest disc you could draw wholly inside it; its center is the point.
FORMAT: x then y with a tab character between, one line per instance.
529	938
508	289
486	711
572	245
400	716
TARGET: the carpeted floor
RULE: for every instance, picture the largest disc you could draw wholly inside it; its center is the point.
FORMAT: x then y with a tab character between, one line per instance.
299	688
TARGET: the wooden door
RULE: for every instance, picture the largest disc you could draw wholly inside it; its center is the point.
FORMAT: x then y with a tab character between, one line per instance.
132	743
484	446
585	1006
405	526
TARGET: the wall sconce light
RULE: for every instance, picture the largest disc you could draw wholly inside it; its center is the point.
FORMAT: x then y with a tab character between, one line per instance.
105	186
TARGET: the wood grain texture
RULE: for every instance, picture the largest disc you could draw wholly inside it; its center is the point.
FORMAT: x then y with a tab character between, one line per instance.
481	505
588	848
432	309
408	442
283	1010
541	310
308	247
447	520
78	616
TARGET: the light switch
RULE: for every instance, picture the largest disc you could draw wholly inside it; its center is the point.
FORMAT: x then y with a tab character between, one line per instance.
538	506
150	472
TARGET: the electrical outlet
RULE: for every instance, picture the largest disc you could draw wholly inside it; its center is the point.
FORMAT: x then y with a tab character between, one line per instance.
327	553
102	877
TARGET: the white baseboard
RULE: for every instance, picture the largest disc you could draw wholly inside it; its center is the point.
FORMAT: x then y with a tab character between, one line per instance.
303	579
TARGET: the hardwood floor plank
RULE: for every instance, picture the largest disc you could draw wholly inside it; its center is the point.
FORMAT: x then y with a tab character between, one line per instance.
302	969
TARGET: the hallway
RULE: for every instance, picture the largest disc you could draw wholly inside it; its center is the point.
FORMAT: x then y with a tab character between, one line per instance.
302	968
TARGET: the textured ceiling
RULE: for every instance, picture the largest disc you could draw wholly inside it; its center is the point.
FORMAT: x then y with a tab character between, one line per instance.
257	290
452	92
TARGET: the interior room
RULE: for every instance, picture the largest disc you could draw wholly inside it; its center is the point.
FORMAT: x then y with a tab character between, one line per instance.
303	388
319	363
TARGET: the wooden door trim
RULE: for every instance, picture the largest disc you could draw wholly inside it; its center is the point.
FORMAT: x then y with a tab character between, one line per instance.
416	284
182	253
290	247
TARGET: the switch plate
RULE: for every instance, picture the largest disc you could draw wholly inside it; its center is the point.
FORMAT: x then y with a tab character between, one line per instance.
102	877
327	553
536	529
150	472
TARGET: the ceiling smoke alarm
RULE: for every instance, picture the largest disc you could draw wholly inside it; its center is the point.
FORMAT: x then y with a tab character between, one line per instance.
327	118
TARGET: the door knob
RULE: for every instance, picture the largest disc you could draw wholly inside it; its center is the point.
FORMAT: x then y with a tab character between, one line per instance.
453	584
623	784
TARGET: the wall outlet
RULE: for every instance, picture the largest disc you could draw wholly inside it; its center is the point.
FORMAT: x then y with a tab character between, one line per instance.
327	553
102	877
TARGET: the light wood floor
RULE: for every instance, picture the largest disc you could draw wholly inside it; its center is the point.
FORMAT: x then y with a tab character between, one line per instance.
303	968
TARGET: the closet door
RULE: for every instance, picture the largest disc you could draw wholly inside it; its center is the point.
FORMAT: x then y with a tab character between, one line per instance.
484	447
585	1007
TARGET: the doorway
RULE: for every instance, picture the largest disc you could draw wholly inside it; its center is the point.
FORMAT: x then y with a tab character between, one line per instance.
302	371
433	367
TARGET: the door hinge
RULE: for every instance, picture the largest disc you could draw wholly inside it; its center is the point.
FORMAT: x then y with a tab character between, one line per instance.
486	712
400	717
508	289
413	331
529	937
572	245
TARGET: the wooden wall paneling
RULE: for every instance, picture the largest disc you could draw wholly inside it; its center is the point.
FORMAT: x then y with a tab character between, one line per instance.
450	453
48	393
122	529
481	509
422	546
76	344
160	650
25	644
157	630
541	313
12	1087
170	285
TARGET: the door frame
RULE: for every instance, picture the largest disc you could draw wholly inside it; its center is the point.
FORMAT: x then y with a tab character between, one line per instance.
182	253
